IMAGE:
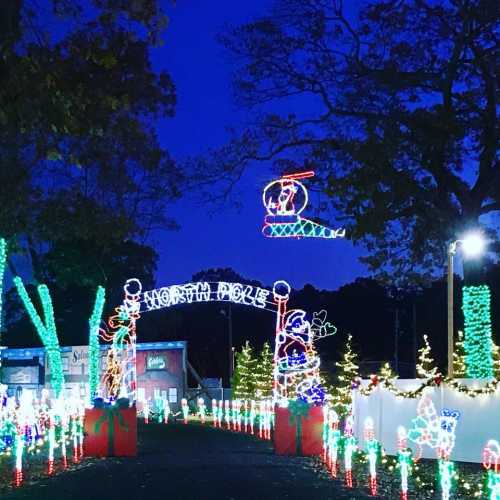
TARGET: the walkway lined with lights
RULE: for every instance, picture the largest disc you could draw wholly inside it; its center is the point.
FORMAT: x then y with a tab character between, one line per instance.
178	461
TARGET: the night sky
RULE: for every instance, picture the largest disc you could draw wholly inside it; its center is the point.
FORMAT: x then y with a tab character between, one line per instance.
227	237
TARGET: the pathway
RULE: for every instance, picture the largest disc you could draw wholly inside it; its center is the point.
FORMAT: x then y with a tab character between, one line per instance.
192	462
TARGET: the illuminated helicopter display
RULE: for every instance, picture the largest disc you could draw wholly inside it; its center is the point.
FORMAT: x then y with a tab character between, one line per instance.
285	199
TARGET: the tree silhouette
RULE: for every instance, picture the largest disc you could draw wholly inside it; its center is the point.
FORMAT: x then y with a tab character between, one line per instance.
395	110
80	160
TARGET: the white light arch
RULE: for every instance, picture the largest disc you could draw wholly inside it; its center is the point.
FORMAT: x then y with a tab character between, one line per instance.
206	291
136	302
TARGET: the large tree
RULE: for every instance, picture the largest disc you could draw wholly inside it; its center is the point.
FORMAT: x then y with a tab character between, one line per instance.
394	106
81	167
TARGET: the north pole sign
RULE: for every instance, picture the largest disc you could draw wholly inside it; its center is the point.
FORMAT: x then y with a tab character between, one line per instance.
206	291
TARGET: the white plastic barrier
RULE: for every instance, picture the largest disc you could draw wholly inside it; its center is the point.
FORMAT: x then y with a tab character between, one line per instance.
479	417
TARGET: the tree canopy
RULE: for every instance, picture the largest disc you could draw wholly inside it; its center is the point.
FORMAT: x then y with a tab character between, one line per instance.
81	167
395	108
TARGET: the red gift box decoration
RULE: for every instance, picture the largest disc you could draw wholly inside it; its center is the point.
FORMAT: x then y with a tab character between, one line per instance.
298	429
110	431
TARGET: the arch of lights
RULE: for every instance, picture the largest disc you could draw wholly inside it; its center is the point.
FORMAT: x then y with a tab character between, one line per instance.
296	363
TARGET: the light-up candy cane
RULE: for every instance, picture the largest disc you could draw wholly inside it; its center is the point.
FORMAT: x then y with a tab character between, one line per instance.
201	409
245	414
166	410
52	443
491	462
234	413
76	423
404	461
64	428
446	473
252	415
326	433
227	410
18	471
61	416
281	294
262	414
44	396
220	414
214	412
74	436
158	404
349	449
237	415
185	410
372	449
26	417
81	416
267	420
71	414
334	438
270	418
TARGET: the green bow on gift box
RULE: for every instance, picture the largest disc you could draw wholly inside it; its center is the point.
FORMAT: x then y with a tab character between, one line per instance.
109	414
298	409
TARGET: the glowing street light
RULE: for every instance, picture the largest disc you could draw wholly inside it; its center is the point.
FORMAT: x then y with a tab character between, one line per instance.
472	245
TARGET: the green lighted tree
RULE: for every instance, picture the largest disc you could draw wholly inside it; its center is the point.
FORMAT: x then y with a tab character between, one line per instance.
348	371
425	366
243	382
81	165
387	373
264	373
478	342
459	366
496	361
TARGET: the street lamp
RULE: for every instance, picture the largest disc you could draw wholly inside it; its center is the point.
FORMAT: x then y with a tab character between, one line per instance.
472	245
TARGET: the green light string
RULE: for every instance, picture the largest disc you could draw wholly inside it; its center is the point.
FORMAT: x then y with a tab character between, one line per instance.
47	332
94	322
446	474
425	365
302	228
493	485
478	344
459	366
3	260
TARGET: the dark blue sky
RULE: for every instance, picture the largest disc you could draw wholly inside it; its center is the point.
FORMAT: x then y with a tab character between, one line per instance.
201	71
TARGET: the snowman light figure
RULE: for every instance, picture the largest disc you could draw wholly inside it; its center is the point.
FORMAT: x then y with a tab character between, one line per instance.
446	433
433	430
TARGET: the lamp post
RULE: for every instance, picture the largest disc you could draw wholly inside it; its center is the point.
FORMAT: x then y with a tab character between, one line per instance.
452	248
472	245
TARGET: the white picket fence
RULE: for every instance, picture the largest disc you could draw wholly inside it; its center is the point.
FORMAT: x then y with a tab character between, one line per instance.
479	417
